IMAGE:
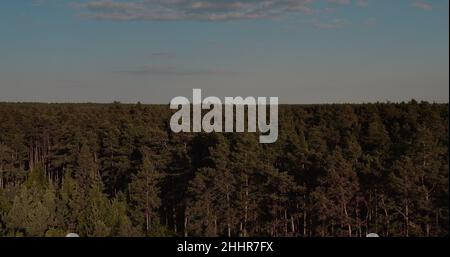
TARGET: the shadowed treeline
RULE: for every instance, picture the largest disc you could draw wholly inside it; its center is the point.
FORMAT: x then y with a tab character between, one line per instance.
118	170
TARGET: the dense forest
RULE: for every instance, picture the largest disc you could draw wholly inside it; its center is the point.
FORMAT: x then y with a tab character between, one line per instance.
118	170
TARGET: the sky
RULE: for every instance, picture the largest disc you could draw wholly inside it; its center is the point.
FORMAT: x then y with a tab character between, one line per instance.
302	51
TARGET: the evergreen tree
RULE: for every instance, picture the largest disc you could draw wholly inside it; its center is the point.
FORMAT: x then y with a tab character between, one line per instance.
144	195
118	170
334	195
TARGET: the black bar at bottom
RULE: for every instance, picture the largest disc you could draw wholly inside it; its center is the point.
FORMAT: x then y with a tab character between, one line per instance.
228	246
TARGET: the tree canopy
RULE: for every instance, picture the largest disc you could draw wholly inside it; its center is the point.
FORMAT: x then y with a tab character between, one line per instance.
118	170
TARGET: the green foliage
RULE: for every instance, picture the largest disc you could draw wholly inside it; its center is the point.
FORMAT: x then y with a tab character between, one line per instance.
144	195
118	170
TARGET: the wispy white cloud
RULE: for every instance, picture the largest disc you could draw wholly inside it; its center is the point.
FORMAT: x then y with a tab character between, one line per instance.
204	10
210	10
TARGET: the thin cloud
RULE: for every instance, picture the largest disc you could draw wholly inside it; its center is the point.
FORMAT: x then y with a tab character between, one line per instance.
163	55
362	3
206	10
340	2
169	71
423	6
333	24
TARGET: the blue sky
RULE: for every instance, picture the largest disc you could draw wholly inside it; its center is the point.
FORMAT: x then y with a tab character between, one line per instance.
304	51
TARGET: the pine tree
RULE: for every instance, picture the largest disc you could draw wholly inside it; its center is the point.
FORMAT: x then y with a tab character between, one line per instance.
121	223
144	195
334	195
201	209
17	216
211	203
90	204
246	167
403	183
280	193
336	170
